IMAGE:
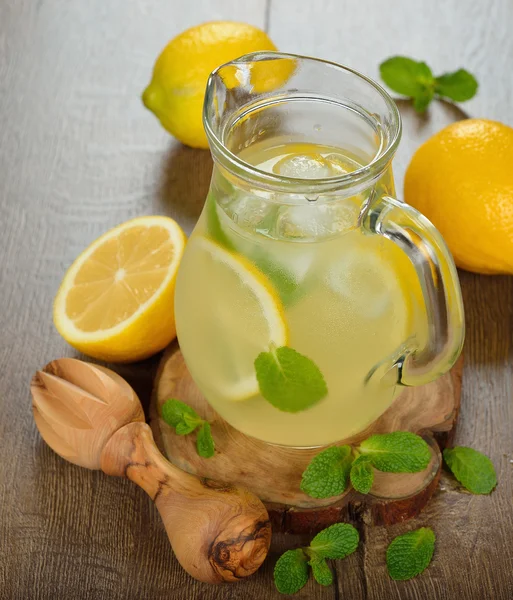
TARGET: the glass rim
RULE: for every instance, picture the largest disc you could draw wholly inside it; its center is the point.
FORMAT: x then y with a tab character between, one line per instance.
273	180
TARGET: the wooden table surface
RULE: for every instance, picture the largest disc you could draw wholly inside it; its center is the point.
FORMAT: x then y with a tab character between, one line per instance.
79	153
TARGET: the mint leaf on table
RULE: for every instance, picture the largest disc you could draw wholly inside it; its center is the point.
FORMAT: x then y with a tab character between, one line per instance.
185	420
423	99
321	571
406	76
337	541
327	474
397	452
289	380
205	441
472	469
291	571
409	554
415	80
458	86
362	475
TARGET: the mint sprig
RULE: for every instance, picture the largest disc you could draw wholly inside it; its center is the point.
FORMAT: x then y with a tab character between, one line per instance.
186	420
415	80
472	469
362	475
409	554
330	471
291	570
289	380
327	474
397	452
181	416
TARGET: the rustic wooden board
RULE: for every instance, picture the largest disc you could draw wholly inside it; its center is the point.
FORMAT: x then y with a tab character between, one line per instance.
79	154
274	472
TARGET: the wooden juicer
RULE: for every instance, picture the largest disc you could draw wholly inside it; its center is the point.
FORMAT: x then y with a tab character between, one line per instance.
91	417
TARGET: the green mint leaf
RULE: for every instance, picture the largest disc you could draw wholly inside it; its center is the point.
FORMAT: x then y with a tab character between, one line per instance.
458	86
175	412
214	226
423	99
283	281
185	420
205	441
409	554
362	475
328	472
192	418
184	428
291	571
288	380
321	571
473	470
188	424
406	76
336	541
397	452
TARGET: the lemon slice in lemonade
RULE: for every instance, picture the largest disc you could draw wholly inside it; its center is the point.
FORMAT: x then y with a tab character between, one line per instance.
231	313
116	300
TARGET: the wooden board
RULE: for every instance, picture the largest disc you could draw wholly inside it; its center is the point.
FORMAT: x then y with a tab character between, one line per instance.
274	472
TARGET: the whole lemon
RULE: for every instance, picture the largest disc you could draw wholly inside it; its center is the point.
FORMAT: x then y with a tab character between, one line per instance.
462	180
177	89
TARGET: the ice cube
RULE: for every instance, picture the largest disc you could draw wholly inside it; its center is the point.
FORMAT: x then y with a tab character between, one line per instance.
315	166
340	164
363	281
249	211
316	221
300	222
303	166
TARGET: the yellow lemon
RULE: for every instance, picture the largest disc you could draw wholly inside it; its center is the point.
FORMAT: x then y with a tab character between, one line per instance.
116	301
177	89
462	180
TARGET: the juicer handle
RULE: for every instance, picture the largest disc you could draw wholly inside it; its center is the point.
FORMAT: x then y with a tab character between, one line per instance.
219	533
425	247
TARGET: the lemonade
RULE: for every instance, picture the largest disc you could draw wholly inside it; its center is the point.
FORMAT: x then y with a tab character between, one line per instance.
308	295
260	273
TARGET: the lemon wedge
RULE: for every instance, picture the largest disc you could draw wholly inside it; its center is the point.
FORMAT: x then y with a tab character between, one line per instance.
116	300
228	312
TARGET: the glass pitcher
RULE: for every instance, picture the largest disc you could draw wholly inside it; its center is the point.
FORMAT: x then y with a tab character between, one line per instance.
308	296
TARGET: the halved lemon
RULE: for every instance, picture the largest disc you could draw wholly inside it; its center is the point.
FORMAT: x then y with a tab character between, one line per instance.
116	301
228	312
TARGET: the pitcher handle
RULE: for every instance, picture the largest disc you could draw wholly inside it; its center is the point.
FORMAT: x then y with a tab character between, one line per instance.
425	247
